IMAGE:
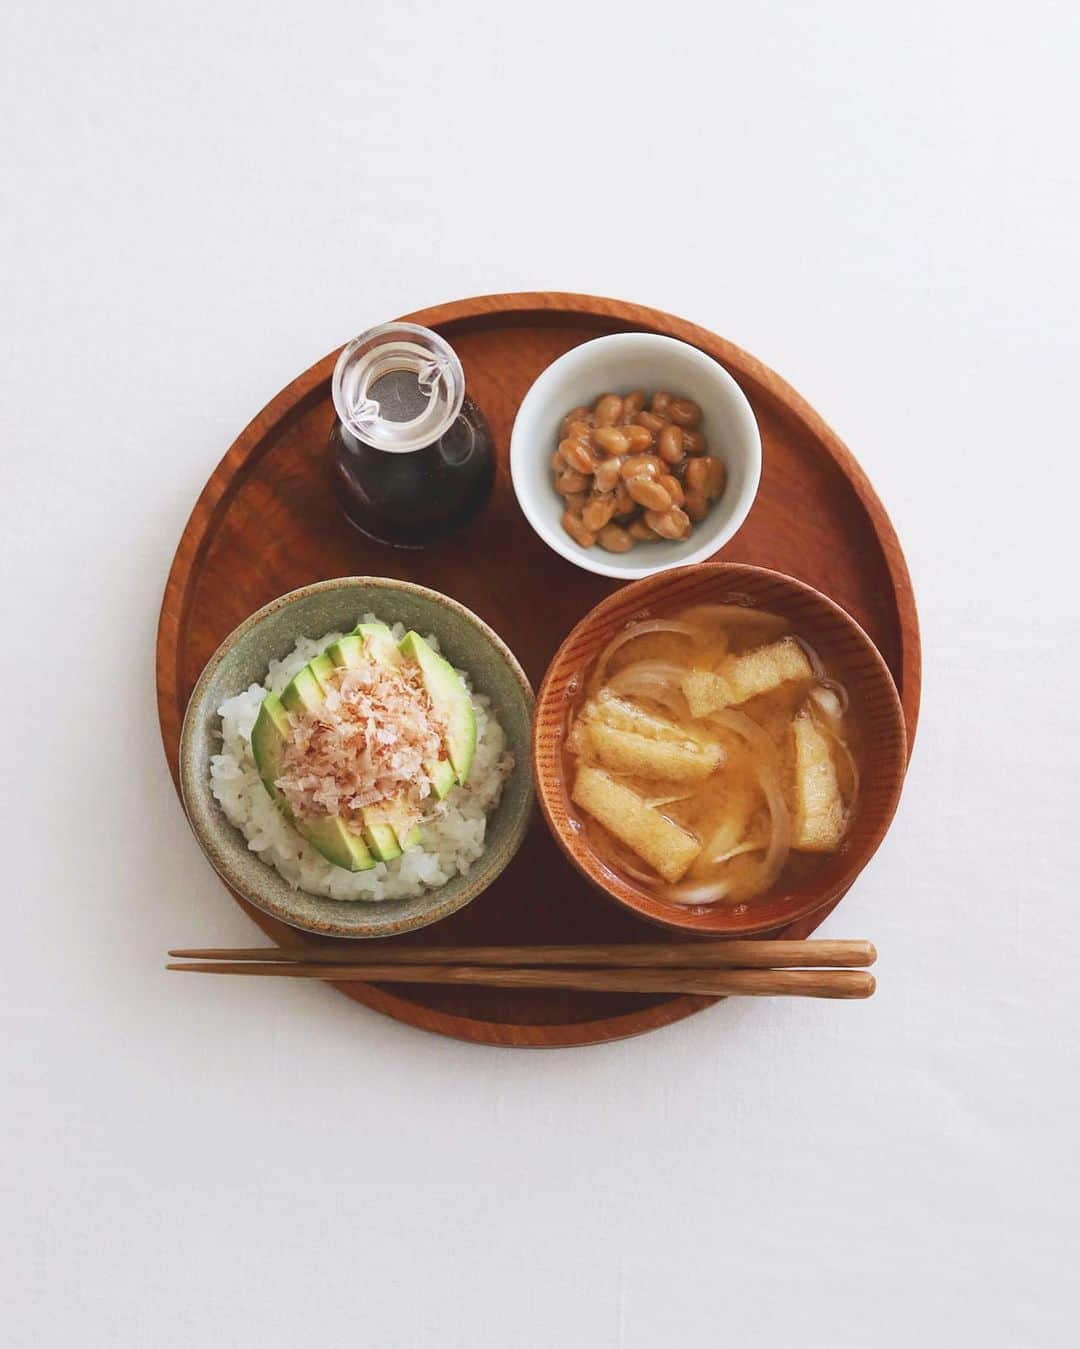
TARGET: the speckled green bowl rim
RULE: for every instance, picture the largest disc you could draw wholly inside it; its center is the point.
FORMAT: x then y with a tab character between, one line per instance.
199	802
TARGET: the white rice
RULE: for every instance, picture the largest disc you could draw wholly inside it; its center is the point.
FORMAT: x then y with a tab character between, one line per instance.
452	833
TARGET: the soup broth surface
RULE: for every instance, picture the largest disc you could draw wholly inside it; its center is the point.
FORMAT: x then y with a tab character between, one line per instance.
712	758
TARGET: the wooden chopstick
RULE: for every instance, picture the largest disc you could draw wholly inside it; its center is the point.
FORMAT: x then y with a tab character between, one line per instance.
721	982
681	955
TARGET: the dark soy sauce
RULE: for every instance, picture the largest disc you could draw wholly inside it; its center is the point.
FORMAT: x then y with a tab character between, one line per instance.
413	497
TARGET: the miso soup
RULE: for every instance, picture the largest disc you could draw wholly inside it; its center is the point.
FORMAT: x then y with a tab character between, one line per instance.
713	757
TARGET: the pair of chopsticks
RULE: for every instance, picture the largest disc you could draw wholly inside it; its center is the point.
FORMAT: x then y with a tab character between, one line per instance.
808	969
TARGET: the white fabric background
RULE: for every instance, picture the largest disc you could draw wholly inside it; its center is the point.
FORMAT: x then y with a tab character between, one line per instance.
201	199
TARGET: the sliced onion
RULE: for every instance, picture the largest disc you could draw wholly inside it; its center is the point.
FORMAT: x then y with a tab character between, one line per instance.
631	870
776	855
662	669
737	613
657	680
628	635
821	677
738	852
702	892
745	726
813	657
727	834
827	702
834	686
657	802
779	845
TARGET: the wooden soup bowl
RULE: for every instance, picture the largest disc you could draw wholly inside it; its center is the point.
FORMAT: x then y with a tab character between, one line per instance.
847	652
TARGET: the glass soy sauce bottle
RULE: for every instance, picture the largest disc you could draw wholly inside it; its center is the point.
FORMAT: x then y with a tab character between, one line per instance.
412	455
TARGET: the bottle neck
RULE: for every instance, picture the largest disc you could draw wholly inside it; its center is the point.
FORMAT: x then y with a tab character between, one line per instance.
398	387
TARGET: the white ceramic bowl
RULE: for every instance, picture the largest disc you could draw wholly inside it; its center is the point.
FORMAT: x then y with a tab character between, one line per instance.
619	364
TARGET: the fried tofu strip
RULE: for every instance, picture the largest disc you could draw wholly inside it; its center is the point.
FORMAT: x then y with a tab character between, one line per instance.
667	848
744	677
817	808
624	715
641	757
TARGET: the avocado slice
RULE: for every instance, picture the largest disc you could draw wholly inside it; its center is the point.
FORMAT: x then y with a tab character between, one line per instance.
327	834
380	835
388	830
391	814
379	642
450	699
442	777
322	667
346	654
268	739
331	836
304	694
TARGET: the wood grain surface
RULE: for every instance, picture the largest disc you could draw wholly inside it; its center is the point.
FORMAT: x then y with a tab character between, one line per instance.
267	522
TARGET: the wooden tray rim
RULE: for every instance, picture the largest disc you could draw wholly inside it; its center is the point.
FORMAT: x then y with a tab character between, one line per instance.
254	440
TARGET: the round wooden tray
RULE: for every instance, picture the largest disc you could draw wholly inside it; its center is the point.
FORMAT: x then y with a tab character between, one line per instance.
267	522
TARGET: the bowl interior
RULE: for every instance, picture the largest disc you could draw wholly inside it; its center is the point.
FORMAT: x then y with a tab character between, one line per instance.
619	364
243	658
845	648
